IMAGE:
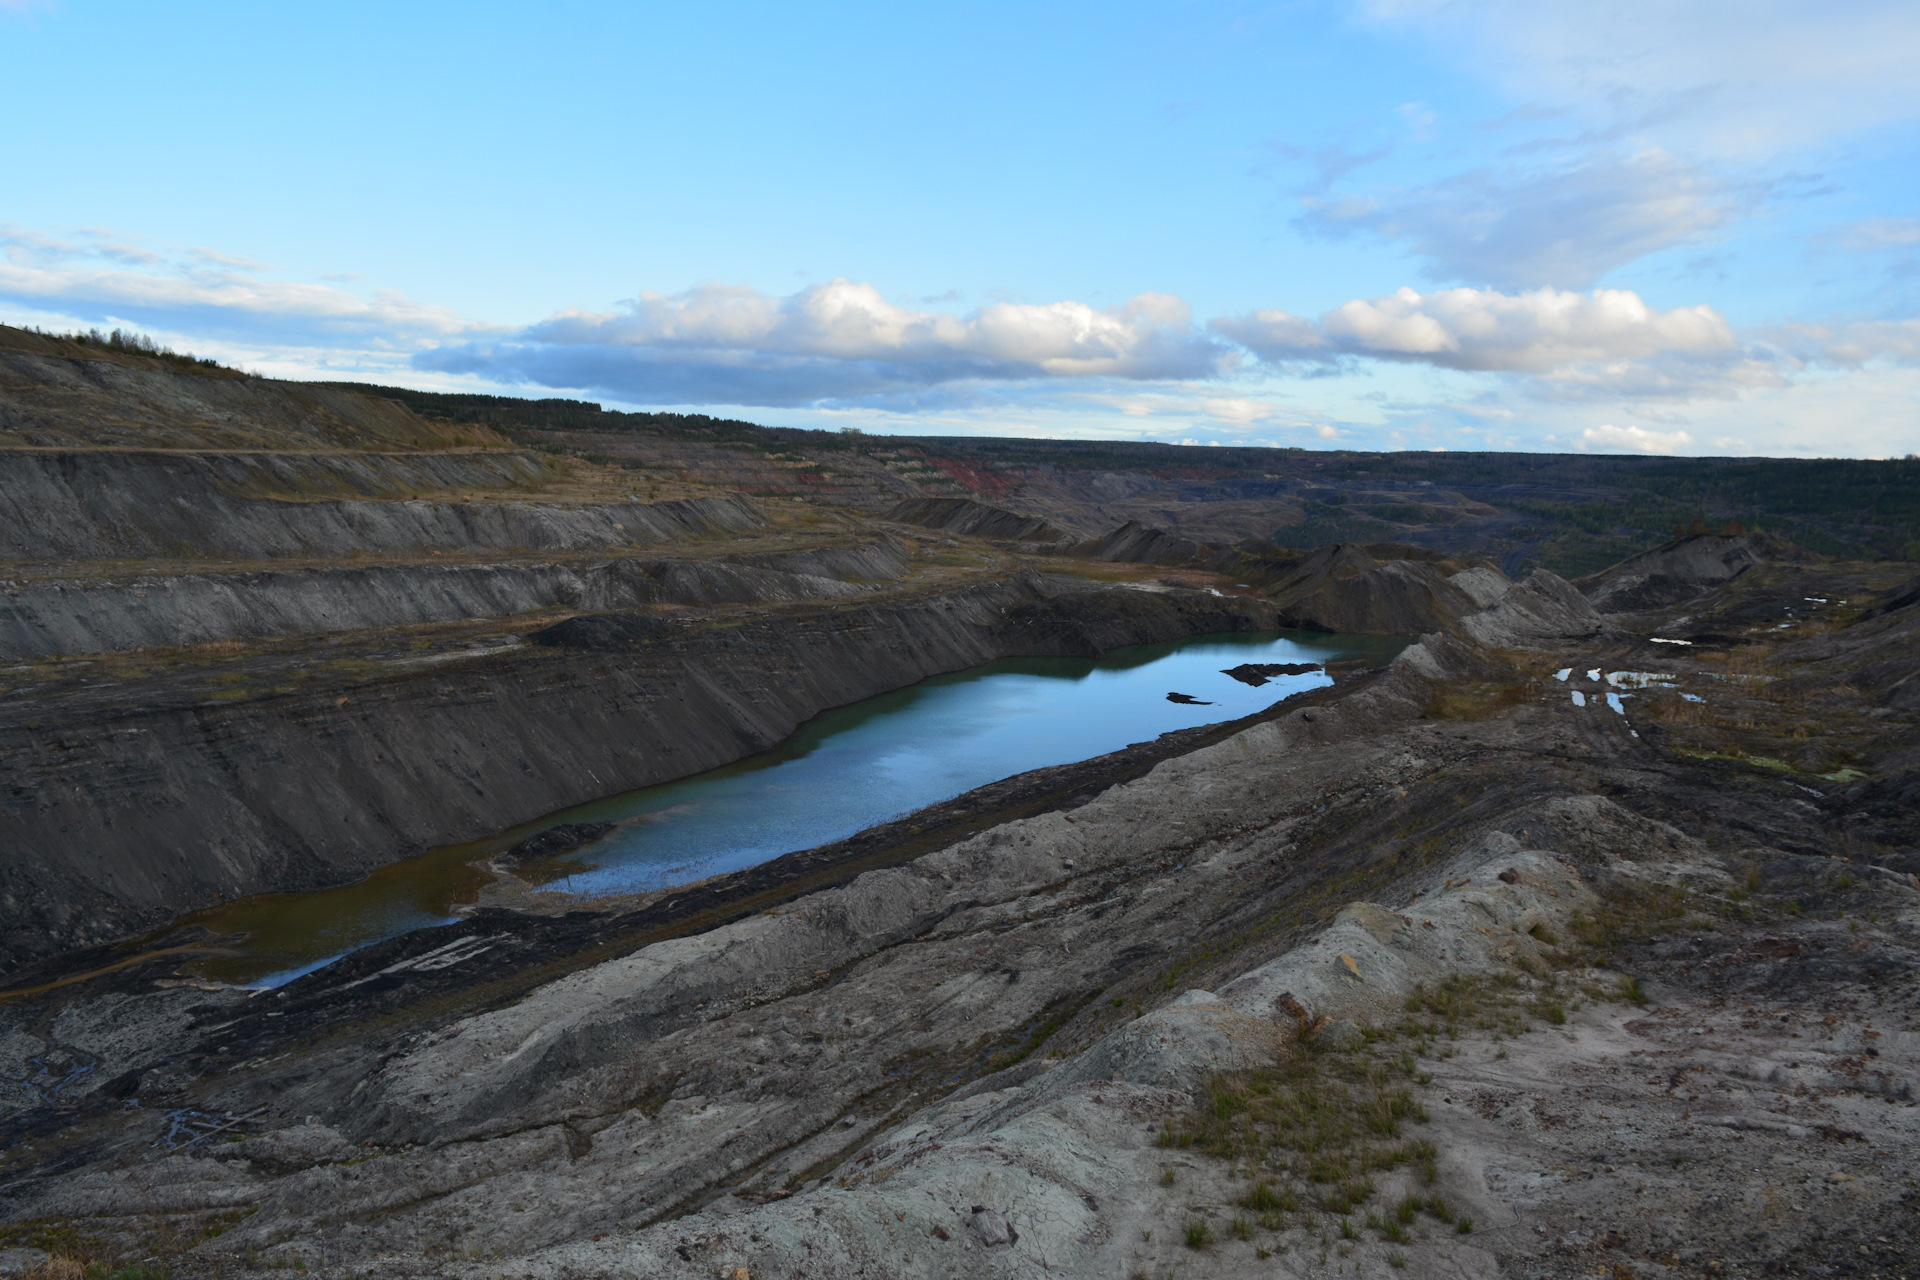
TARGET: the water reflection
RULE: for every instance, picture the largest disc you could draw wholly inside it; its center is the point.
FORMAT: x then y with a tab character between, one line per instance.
845	770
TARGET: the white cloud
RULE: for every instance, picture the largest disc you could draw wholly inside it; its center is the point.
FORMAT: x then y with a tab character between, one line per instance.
1743	79
837	340
1523	228
1533	368
101	276
1634	440
1485	330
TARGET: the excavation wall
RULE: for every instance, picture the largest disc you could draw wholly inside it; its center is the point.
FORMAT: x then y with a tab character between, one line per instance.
41	618
121	816
106	505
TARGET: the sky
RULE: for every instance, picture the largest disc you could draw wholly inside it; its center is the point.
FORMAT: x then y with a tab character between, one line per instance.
1617	226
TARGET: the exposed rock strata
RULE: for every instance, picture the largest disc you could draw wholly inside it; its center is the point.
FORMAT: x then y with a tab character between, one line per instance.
118	815
976	519
883	1076
106	505
42	617
1682	570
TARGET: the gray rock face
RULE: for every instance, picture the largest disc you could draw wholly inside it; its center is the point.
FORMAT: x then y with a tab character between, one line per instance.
123	504
976	519
41	617
1484	585
1542	610
779	1094
1682	569
120	816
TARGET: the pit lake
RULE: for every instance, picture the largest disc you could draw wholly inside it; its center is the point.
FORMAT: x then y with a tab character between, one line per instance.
845	770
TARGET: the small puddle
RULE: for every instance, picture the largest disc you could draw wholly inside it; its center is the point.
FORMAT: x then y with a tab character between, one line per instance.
845	770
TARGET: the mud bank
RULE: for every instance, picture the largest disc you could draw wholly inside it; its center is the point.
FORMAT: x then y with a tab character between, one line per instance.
123	815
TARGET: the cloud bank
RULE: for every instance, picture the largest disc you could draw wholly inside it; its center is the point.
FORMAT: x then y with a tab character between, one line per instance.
1536	367
836	341
99	275
1484	330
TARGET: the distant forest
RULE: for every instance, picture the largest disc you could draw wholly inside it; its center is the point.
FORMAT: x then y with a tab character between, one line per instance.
1574	513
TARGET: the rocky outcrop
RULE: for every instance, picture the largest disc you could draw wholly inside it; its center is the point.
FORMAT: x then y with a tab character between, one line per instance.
1483	584
976	519
1544	609
119	816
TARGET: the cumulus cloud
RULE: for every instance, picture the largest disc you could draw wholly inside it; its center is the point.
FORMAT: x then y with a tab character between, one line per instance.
1633	440
101	276
1485	330
839	340
1564	227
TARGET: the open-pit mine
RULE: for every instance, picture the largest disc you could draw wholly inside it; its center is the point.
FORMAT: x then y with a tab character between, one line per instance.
1436	914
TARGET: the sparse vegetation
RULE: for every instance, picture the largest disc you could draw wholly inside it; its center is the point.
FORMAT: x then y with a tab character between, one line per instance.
130	343
1319	1122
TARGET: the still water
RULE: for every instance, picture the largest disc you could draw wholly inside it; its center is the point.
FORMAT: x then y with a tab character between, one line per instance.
841	772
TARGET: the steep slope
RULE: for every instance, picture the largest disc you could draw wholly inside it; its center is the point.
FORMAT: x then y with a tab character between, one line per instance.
65	395
1683	569
977	519
131	802
1548	996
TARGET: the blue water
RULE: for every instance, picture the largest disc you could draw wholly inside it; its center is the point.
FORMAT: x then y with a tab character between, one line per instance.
865	764
843	771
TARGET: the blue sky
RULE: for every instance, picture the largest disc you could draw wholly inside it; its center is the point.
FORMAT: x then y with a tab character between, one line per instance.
1658	227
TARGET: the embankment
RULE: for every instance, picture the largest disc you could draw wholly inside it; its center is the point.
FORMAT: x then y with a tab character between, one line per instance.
121	814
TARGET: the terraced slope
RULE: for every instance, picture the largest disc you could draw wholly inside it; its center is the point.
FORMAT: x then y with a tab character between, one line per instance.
1442	971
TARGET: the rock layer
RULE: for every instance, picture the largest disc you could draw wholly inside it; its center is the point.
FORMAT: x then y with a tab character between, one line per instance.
963	1065
120	815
